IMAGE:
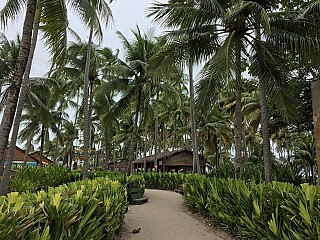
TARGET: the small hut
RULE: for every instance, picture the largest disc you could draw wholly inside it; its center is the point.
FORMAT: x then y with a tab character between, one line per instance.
120	165
175	161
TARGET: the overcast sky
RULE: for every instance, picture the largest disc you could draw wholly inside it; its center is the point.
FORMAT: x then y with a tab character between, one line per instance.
127	14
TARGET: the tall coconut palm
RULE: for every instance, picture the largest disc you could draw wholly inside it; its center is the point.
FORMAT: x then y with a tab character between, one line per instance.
312	13
102	11
185	48
54	39
5	127
237	22
20	104
138	71
54	28
214	126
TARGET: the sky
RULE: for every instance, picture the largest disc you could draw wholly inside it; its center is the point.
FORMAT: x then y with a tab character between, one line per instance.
127	15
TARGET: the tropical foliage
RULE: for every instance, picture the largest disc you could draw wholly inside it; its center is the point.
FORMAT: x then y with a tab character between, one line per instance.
140	104
90	209
248	209
256	211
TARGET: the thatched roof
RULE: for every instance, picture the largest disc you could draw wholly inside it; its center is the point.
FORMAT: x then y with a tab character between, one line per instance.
120	162
160	156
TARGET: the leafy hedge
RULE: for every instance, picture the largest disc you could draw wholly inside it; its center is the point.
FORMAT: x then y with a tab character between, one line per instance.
33	179
164	181
257	211
89	209
116	176
255	172
136	180
277	210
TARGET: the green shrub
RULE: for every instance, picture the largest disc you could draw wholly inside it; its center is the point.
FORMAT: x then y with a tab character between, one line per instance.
136	180
195	192
251	209
32	179
89	209
255	172
165	181
116	176
256	211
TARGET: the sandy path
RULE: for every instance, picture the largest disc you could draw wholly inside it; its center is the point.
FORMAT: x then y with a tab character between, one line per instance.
166	217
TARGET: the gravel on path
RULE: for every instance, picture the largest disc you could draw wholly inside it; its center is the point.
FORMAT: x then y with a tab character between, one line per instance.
166	217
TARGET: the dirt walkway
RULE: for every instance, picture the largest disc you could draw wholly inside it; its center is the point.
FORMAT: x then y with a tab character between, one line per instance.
166	217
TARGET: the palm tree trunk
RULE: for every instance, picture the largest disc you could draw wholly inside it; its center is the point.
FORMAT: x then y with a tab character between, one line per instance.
133	142
71	158
86	117
55	160
145	148
264	125
156	131
26	154
245	148
107	155
315	89
41	144
13	93
196	165
115	157
21	100
174	132
265	133
105	162
90	113
238	123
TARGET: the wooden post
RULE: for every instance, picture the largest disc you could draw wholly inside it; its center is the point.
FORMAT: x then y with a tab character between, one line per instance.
315	93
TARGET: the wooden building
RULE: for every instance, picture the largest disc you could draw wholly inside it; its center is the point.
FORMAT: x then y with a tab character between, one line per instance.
18	157
36	155
120	165
175	161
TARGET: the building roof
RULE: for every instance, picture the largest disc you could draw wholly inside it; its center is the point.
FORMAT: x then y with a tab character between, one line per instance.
161	155
36	155
20	157
121	161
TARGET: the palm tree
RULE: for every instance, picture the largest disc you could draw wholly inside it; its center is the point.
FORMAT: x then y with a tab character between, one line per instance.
55	39
241	26
70	134
9	51
306	156
301	38
102	11
215	130
5	127
312	14
316	117
138	71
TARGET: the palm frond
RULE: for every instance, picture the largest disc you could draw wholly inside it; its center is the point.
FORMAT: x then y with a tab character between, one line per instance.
298	35
217	72
11	11
313	10
270	66
54	22
186	13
